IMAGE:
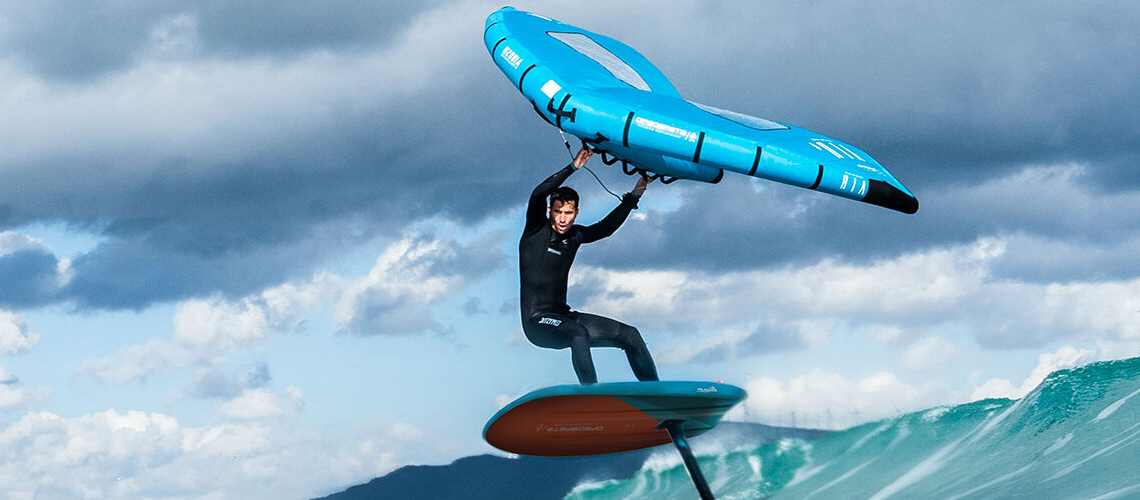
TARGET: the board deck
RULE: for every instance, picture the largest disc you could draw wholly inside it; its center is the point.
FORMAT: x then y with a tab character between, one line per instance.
577	420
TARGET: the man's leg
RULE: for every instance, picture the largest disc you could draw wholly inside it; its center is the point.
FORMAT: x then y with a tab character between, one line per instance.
559	331
606	332
583	360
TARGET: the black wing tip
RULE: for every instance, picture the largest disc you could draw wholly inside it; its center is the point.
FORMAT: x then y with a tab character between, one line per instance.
887	196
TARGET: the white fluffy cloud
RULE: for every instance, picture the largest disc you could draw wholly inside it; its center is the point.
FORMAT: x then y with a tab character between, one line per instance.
14	335
207	331
899	290
15	395
136	454
829	400
394	296
931	308
261	403
905	299
11	241
47	455
135	362
1064	358
16	339
410	275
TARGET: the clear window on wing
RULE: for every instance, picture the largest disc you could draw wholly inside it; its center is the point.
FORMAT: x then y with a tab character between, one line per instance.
614	64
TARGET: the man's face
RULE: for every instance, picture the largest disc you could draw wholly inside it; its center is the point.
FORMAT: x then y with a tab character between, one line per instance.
562	215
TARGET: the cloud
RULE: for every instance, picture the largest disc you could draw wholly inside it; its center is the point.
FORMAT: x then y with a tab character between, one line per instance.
947	94
318	152
135	362
29	271
136	454
733	342
215	382
93	449
256	404
1064	358
14	335
225	154
411	275
15	395
207	332
220	326
312	126
1056	224
930	353
889	290
909	297
829	400
107	37
832	400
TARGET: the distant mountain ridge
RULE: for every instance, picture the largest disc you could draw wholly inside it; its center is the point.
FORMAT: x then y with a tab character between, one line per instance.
497	477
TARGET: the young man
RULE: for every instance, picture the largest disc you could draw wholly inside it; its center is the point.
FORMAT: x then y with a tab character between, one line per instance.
546	252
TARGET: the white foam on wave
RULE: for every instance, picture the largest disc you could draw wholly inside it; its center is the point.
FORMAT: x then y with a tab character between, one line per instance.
1110	409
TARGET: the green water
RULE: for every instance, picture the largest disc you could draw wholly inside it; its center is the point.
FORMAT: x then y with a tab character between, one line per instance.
1077	435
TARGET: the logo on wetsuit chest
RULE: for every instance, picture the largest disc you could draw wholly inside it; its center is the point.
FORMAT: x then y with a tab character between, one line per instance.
550	321
557	245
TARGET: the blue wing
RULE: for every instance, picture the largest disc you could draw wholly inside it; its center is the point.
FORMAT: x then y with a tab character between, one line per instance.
611	96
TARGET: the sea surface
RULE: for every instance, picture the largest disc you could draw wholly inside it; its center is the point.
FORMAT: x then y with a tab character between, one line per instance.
1076	436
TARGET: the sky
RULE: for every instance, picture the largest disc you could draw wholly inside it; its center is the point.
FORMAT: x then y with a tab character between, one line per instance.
269	249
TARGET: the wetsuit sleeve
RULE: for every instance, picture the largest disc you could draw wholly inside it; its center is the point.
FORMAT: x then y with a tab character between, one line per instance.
536	207
612	221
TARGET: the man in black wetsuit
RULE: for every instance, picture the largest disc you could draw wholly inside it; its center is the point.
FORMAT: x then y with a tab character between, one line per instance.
546	251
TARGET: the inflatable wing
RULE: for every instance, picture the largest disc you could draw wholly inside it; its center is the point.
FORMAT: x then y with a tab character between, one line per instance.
612	97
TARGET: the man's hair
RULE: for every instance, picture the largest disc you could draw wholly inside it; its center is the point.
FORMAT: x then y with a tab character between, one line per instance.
565	194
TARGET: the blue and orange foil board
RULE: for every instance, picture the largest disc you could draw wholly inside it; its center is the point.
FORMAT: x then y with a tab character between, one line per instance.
577	420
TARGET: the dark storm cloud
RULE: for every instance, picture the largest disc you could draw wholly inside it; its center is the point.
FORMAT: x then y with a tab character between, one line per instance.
264	26
75	41
28	277
734	226
1059	227
133	273
79	41
937	93
192	225
946	96
969	105
251	226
